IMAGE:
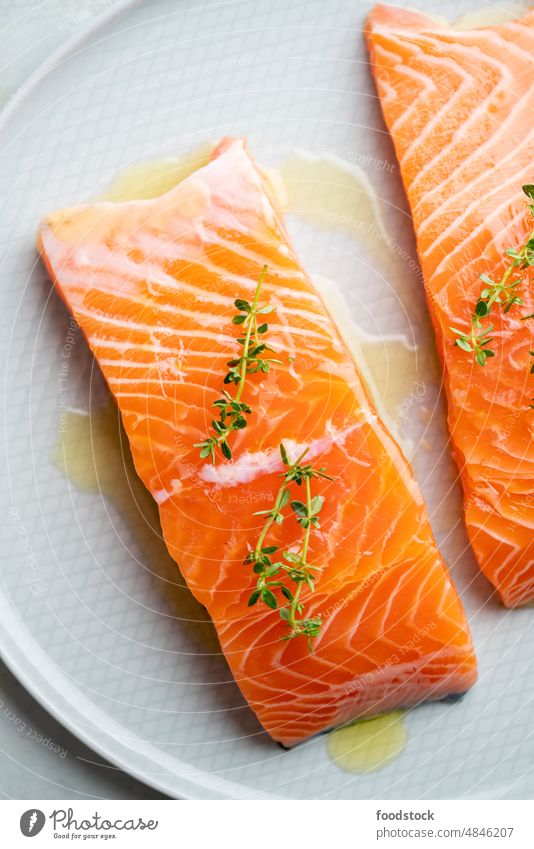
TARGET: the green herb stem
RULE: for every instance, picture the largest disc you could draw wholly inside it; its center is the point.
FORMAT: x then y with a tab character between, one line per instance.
294	605
251	325
233	411
273	577
278	504
502	293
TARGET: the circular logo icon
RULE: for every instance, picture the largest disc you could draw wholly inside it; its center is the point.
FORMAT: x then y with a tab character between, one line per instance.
32	822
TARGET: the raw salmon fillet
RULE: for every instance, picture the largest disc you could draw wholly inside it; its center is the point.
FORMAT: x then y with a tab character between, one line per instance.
152	284
459	106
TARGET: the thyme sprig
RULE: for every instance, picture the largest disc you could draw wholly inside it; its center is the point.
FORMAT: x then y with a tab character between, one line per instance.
233	411
501	293
293	565
273	578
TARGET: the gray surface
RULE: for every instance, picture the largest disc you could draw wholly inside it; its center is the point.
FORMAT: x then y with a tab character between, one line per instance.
39	759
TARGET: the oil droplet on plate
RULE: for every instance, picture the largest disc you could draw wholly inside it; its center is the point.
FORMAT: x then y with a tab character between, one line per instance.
89	451
332	193
486	16
152	178
490	16
368	744
93	453
391	367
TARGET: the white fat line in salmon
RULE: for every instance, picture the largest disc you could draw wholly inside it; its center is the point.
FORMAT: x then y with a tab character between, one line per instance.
250	466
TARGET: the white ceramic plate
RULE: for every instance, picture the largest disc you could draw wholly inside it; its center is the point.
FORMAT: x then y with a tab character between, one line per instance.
89	618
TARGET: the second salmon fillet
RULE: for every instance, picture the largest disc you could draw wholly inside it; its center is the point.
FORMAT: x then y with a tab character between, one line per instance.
459	106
